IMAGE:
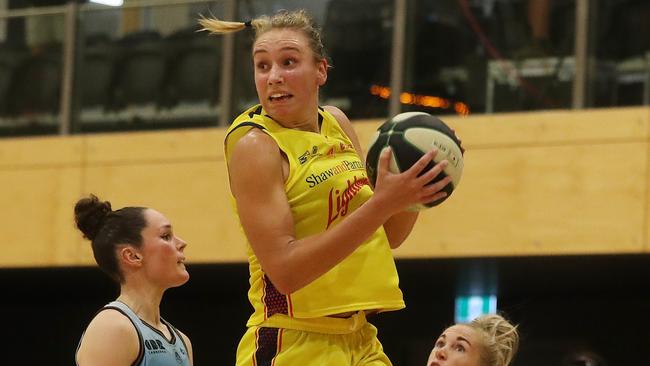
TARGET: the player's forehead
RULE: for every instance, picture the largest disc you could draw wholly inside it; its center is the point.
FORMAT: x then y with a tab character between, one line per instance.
461	334
281	39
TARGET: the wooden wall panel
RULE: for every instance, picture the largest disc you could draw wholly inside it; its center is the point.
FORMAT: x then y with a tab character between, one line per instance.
543	183
191	195
155	147
539	200
38	176
646	237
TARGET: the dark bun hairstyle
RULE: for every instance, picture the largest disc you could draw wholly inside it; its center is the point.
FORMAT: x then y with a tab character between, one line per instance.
89	214
109	230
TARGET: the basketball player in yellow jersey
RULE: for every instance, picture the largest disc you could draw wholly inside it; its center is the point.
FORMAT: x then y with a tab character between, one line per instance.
319	238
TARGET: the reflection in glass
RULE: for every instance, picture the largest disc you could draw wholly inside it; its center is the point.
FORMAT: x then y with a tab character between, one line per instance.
466	56
31	75
621	37
146	68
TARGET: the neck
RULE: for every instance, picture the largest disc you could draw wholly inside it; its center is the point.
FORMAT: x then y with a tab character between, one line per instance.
145	302
305	121
310	125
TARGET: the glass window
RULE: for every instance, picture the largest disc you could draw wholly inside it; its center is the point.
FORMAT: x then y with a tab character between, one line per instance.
470	56
620	37
148	67
31	57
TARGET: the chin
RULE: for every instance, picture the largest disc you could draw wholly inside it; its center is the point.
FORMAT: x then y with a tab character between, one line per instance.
186	278
182	279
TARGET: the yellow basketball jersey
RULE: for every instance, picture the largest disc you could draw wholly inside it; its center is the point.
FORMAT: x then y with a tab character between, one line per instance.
327	181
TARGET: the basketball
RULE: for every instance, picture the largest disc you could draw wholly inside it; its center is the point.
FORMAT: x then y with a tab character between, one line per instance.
410	135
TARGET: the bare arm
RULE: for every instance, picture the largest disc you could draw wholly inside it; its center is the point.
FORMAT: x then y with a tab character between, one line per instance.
109	327
397	227
257	184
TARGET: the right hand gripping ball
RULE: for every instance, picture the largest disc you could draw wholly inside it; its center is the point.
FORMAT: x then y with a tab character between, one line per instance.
410	135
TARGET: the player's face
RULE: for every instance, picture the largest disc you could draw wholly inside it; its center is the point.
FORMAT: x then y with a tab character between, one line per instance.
287	76
458	345
162	252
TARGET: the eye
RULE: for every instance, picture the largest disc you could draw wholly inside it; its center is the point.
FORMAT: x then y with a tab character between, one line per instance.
439	344
460	348
262	66
289	62
167	236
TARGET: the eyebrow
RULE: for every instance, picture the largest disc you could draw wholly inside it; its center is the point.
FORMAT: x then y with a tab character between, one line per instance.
285	48
459	338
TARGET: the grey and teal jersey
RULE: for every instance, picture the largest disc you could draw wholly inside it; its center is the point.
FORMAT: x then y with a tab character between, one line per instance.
155	348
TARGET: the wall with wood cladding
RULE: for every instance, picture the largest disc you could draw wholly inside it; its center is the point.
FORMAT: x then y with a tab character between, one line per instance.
561	182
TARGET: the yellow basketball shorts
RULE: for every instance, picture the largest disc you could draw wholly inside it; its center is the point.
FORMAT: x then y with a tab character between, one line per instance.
282	341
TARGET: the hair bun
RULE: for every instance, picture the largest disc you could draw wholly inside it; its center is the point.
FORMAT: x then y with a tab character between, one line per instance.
89	214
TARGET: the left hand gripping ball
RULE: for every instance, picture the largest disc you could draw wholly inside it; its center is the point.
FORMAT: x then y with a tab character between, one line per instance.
410	135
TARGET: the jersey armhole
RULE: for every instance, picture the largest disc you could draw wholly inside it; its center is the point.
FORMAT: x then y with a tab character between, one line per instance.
342	131
239	133
138	359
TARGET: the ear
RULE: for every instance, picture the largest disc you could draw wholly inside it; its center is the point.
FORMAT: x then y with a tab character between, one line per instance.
130	256
322	67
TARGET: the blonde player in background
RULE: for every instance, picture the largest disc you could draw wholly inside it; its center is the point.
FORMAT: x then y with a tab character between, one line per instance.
489	340
319	239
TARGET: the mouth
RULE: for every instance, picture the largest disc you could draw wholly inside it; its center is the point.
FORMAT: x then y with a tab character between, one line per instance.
279	97
181	261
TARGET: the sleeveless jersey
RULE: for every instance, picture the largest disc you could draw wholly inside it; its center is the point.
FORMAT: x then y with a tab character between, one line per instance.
155	348
327	181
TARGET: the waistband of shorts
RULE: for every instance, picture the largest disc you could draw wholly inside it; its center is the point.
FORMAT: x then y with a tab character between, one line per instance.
326	325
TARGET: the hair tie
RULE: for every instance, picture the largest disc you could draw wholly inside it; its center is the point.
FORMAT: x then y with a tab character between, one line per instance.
248	23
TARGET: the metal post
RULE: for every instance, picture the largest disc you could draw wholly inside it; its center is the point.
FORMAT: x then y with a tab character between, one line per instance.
227	67
397	57
646	83
581	53
489	92
67	80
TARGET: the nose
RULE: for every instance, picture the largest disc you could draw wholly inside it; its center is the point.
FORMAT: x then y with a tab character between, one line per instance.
441	354
275	75
181	243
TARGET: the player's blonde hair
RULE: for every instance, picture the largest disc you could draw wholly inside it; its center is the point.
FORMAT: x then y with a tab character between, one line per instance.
500	339
297	19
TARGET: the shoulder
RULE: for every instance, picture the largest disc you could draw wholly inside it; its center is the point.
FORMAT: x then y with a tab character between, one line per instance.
248	114
346	125
186	340
112	321
254	157
110	337
255	140
341	118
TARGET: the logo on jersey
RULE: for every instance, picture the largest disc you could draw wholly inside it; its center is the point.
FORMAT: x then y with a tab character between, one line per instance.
345	147
154	346
308	155
341	147
345	166
340	200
